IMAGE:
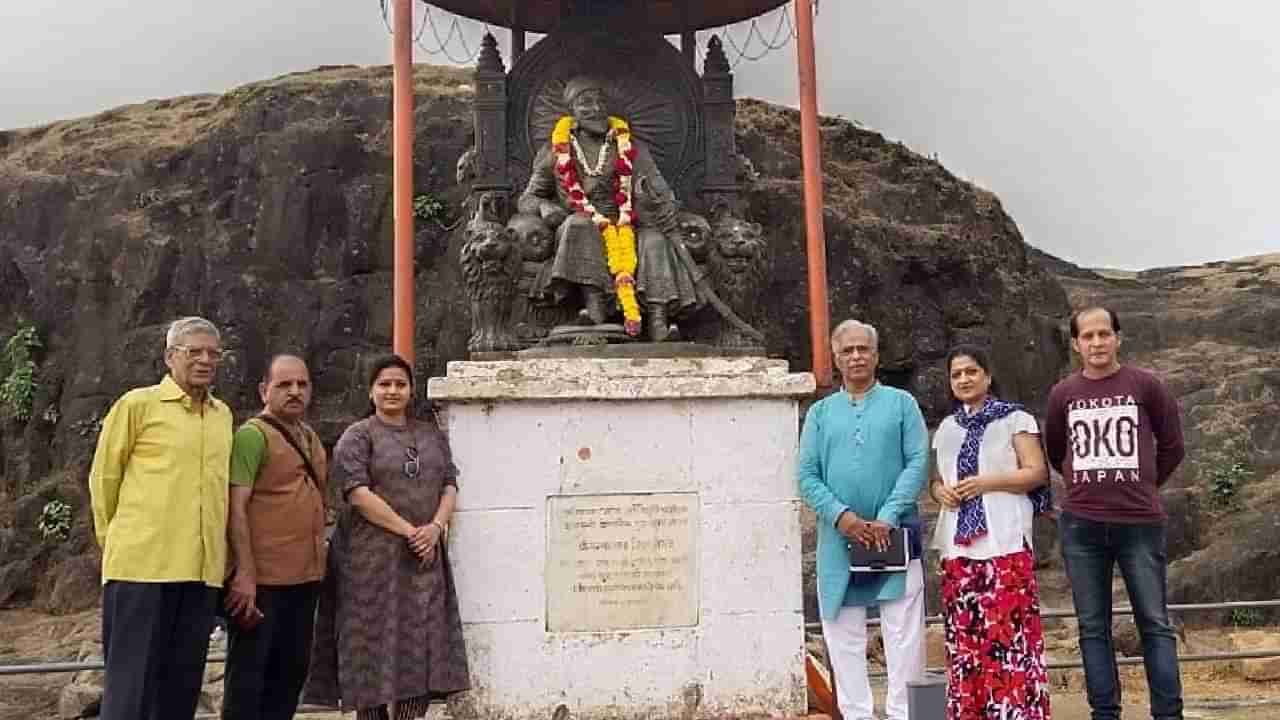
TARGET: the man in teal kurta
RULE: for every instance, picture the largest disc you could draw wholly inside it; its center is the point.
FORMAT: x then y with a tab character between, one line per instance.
863	461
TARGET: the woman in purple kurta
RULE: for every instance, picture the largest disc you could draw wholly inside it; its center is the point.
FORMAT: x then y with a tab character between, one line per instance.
388	634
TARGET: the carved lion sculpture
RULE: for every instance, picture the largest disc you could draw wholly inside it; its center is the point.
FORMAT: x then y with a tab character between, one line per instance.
736	264
696	232
490	261
537	242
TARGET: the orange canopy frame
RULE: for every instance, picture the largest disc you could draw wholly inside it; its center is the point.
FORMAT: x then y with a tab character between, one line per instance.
665	16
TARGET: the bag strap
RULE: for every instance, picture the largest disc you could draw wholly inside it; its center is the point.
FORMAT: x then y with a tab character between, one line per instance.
288	436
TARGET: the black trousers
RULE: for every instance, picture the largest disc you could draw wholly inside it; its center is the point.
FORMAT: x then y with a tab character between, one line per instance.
155	639
267	666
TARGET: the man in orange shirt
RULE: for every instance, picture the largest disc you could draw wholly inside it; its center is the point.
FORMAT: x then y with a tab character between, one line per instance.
277	528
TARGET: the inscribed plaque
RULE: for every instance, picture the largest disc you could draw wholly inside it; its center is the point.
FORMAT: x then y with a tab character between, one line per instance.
618	562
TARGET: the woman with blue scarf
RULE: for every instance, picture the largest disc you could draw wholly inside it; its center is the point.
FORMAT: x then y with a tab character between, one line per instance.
990	478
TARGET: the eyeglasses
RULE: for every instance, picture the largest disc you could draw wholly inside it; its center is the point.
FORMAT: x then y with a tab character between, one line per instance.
210	354
411	465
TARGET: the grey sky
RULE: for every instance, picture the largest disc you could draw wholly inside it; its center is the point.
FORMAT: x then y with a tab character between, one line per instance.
1122	133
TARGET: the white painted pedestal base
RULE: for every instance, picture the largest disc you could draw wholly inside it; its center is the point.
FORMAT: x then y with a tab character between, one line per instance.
627	540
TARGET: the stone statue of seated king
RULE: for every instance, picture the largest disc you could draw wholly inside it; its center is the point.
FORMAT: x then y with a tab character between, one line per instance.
612	217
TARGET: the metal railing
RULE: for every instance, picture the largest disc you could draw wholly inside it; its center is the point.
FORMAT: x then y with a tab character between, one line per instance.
1058	614
88	665
1123	610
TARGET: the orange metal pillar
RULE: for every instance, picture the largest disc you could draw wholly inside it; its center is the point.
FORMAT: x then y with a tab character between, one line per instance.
402	202
811	151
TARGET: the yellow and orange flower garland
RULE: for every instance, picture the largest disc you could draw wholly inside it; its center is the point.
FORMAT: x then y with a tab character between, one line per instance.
619	237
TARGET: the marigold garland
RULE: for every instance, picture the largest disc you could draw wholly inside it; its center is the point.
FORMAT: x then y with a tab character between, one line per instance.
619	236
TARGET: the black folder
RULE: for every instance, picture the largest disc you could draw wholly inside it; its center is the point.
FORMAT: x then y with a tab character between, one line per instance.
863	559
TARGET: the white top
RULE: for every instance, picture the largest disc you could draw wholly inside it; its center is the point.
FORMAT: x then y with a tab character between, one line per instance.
1009	515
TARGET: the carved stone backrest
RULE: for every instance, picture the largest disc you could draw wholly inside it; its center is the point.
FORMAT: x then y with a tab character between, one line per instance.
653	87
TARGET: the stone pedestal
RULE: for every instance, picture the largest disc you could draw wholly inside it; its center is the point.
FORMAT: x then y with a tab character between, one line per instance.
627	540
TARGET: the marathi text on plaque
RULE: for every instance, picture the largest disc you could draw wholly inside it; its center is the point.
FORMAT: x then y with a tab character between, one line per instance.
620	562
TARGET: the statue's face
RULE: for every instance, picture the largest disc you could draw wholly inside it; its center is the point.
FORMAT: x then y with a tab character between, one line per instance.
737	260
490	242
739	242
591	110
696	230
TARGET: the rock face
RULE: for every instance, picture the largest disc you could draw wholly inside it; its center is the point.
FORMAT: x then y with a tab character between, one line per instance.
268	211
930	260
1212	331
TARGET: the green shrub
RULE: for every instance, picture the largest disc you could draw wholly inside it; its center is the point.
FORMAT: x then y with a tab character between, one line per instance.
1247	617
1225	479
55	520
18	369
427	207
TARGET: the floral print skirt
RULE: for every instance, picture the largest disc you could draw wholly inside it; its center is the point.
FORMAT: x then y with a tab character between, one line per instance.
994	640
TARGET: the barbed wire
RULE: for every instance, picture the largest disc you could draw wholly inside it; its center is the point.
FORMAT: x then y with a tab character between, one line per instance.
455	30
784	32
456	34
386	21
779	41
422	25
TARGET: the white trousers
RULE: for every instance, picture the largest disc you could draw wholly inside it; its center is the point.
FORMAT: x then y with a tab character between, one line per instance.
902	625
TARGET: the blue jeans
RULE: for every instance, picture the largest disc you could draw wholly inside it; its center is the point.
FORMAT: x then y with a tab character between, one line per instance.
1091	549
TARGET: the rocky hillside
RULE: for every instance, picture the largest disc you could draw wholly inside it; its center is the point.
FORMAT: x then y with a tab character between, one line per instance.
1213	332
267	209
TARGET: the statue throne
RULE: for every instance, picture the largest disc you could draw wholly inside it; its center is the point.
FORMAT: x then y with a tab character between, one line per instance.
686	122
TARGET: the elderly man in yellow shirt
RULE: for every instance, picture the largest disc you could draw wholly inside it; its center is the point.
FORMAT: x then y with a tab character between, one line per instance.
159	491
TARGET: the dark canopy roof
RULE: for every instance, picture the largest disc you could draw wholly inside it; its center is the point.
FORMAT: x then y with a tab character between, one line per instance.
665	16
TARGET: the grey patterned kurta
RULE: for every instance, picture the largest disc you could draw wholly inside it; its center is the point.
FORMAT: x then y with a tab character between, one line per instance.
387	629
